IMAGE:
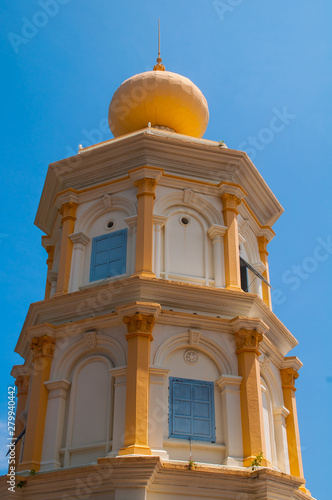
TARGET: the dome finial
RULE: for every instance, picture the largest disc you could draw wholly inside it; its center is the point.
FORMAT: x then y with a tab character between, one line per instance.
159	66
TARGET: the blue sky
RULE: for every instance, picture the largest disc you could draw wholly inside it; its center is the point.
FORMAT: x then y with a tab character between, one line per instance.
61	62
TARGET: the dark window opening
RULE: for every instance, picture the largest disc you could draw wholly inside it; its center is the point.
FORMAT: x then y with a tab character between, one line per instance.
244	275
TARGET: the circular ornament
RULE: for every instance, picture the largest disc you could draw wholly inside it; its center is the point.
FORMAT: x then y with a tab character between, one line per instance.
191	357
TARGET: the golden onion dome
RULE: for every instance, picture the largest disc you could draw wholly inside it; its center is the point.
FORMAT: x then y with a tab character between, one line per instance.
163	99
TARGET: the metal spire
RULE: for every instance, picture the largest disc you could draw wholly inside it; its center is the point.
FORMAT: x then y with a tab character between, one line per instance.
159	66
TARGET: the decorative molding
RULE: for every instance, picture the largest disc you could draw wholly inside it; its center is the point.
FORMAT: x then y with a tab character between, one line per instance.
79	238
57	388
229	383
243	224
194	337
159	220
131	221
191	357
22	384
248	341
139	324
91	339
231	189
68	211
43	346
107	200
264	362
230	202
146	186
288	377
93	212
199	203
66	197
188	196
259	266
216	231
292	362
280	413
218	354
246	323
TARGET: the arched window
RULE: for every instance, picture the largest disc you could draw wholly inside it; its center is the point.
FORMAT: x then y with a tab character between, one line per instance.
89	412
270	444
187	254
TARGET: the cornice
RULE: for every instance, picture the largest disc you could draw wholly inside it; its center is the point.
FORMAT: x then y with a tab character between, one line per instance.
172	478
200	160
195	305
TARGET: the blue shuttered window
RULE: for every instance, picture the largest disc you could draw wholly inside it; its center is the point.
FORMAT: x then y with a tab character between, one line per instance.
108	255
191	412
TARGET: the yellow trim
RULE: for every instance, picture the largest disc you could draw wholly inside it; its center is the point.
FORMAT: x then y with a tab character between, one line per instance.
139	327
144	238
288	376
263	253
253	437
49	262
231	242
68	212
43	349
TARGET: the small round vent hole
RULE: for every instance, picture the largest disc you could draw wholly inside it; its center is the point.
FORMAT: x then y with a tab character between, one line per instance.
185	221
110	224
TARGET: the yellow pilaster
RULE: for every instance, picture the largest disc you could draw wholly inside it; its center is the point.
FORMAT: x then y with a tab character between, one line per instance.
22	384
288	376
68	212
247	343
263	253
231	241
42	349
139	336
144	239
49	262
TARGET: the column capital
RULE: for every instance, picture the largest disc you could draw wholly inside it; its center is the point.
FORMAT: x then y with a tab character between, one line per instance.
139	324
68	210
230	202
262	244
215	231
159	220
146	186
79	238
43	346
288	377
50	250
247	341
22	384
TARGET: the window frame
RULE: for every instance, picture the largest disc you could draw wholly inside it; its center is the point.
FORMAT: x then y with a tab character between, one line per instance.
212	437
108	236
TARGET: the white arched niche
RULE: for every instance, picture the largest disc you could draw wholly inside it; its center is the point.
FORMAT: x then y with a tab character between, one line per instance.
183	247
194	356
110	214
87	432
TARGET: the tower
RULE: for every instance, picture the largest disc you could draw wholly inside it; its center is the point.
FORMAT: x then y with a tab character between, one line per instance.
155	367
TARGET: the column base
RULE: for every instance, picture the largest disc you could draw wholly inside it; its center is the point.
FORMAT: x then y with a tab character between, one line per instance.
59	294
28	466
135	449
235	288
145	274
248	461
